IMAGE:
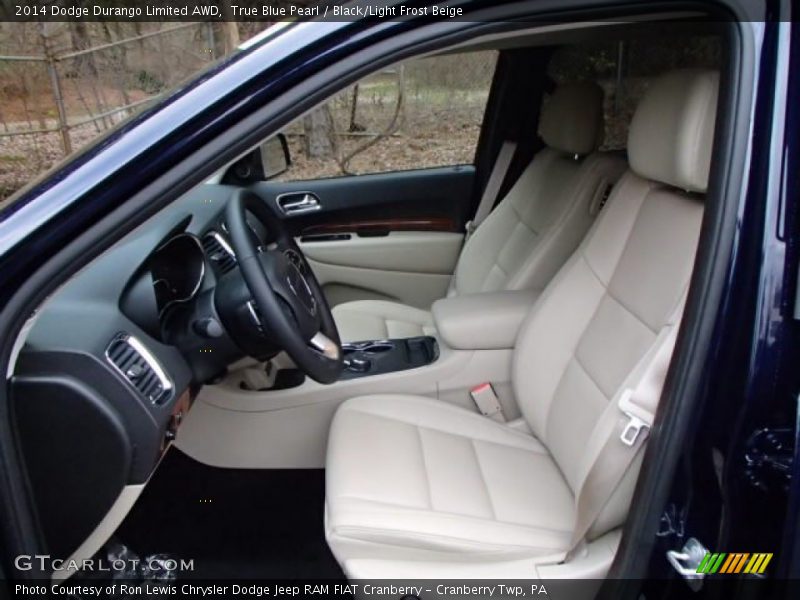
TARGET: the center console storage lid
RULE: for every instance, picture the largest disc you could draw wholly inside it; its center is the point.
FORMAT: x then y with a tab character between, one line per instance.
487	321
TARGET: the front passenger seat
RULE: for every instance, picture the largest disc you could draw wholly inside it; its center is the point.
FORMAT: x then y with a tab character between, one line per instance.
418	487
528	236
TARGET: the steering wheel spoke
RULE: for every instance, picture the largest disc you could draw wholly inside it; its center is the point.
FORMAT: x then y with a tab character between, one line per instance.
285	291
325	346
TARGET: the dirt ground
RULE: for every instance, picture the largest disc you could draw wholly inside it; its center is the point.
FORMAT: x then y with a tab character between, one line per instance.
429	139
23	157
431	133
39	104
438	125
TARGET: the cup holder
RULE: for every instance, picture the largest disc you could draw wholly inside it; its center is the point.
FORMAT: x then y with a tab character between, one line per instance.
378	348
374	357
368	347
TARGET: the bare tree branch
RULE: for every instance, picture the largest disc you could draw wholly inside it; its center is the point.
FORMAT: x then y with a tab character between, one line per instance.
390	129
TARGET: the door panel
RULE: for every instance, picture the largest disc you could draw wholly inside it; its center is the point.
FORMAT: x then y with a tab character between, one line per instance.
390	236
410	251
410	267
428	197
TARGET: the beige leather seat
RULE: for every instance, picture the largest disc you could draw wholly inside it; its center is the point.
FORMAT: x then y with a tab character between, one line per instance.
417	486
529	235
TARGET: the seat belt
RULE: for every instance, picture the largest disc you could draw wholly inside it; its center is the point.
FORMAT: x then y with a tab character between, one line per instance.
636	410
492	189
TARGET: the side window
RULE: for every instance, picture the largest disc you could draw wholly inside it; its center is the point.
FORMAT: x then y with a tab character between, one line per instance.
419	114
625	69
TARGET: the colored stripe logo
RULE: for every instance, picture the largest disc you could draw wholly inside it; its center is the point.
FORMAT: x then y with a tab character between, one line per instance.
734	562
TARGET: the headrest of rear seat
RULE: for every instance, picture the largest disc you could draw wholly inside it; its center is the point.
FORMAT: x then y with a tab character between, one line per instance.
572	118
672	130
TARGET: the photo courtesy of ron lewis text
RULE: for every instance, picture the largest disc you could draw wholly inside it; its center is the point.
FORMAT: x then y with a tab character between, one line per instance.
376	590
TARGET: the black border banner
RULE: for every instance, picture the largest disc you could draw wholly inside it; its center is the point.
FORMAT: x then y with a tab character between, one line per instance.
394	589
29	11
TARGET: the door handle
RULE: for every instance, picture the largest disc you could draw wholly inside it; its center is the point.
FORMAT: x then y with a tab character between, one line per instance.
293	203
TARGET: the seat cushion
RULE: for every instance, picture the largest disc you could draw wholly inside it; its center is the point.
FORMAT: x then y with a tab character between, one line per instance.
410	477
379	320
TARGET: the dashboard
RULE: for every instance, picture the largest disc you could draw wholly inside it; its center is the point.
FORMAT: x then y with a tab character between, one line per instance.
124	347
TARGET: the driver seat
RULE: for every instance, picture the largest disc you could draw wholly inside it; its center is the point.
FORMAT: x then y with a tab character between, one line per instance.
420	488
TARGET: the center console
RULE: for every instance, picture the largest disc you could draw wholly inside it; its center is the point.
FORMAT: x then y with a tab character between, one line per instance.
362	359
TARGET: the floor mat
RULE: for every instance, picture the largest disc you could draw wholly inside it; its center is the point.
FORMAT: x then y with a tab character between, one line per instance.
234	523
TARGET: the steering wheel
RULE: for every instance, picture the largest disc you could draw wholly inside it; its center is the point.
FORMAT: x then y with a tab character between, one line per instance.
286	293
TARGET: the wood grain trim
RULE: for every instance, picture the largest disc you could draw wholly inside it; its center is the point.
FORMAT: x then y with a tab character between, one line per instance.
398	224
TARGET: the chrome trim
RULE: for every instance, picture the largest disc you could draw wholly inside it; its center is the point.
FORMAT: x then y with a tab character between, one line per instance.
251	307
152	362
309	203
325	346
200	279
313	308
221	241
293	256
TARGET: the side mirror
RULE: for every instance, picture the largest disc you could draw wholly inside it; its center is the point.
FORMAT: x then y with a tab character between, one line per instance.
275	158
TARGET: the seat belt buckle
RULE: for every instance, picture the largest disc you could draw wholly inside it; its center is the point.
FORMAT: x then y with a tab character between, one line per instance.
632	430
488	403
639	419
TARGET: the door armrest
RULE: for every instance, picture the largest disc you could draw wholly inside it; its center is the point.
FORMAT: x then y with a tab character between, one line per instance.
488	321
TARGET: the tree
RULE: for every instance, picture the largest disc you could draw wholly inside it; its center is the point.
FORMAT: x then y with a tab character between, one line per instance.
395	124
320	134
230	29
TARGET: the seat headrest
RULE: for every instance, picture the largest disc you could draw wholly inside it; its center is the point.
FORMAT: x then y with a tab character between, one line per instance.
672	130
572	118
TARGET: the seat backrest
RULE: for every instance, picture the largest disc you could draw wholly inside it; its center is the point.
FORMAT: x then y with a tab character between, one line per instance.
528	236
603	311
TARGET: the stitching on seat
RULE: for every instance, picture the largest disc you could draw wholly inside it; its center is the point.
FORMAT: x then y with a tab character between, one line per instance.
590	175
630	310
405	535
499	267
531	242
582	256
460	516
578	361
578	342
510	446
486	279
624	247
521	220
425	467
474	444
607	285
493	424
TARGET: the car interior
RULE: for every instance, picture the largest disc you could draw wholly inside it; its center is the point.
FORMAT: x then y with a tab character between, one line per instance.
437	372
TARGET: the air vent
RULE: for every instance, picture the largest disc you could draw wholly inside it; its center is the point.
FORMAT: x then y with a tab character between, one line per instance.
219	251
139	367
